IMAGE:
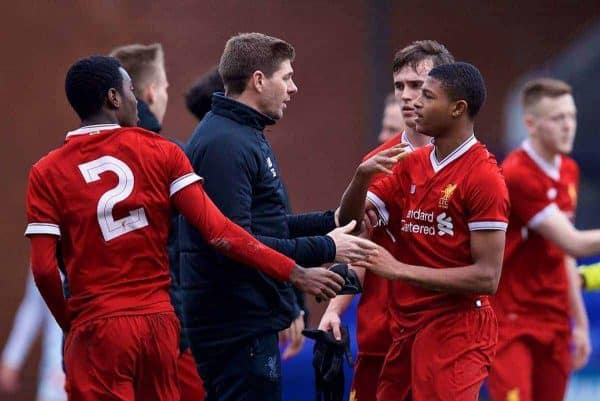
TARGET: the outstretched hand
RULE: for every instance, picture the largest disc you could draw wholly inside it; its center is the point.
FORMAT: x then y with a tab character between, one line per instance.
384	161
349	248
382	263
317	281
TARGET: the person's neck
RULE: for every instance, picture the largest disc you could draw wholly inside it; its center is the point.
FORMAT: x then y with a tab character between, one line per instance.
444	145
541	151
246	99
101	118
417	140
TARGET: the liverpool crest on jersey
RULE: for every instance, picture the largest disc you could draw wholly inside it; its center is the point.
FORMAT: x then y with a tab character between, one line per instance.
446	195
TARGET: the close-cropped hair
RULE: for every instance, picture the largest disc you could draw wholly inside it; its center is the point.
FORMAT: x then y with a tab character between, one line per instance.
142	62
249	52
420	50
462	81
88	81
537	89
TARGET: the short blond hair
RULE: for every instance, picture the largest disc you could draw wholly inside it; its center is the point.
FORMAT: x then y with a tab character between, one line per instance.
142	62
535	90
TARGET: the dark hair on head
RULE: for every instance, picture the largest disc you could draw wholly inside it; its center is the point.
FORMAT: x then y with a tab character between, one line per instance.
537	89
249	52
421	50
462	81
142	63
198	98
88	82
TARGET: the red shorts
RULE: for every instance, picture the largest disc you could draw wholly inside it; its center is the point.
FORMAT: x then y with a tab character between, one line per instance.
528	368
366	375
123	358
190	382
445	360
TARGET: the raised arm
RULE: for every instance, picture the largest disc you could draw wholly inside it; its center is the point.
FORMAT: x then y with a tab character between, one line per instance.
352	205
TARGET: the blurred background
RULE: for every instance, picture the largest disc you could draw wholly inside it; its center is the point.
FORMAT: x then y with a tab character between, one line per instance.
343	71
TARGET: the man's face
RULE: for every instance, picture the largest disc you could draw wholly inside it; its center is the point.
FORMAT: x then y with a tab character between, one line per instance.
433	109
159	96
277	91
127	114
407	88
392	122
554	122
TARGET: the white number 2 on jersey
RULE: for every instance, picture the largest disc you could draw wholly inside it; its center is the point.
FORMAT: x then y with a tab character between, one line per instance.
110	227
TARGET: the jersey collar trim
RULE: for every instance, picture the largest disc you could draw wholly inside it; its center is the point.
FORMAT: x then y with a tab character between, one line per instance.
404	138
92	128
551	170
455	154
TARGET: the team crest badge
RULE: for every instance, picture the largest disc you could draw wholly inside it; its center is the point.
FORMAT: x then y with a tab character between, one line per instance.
446	195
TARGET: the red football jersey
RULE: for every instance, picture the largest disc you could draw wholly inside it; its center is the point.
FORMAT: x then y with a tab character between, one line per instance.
534	282
430	207
373	328
90	192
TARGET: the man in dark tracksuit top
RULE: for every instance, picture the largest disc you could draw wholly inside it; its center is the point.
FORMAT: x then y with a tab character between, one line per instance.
232	314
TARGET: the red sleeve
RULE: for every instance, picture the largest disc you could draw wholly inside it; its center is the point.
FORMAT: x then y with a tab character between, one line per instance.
181	172
382	191
42	215
229	238
487	200
529	197
47	278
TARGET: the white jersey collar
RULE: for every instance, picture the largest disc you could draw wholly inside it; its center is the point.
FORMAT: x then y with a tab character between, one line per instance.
88	129
552	170
455	154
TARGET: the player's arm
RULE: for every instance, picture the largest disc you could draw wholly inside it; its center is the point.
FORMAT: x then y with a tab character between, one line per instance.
230	239
314	223
481	277
352	205
47	277
557	228
43	231
581	327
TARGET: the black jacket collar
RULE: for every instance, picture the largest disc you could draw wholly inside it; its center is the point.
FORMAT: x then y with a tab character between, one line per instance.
239	112
147	119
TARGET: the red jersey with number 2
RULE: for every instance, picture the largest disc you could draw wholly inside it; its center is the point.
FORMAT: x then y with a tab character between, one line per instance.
90	192
431	207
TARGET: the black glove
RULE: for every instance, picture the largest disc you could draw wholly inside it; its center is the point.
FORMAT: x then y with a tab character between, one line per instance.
351	281
328	357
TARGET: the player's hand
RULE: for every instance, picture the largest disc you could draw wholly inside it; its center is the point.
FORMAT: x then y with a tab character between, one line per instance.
293	337
331	321
317	281
9	379
581	347
383	264
384	161
349	248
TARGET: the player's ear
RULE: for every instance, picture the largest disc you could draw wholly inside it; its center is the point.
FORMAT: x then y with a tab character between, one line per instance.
257	80
149	94
459	108
529	122
113	98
